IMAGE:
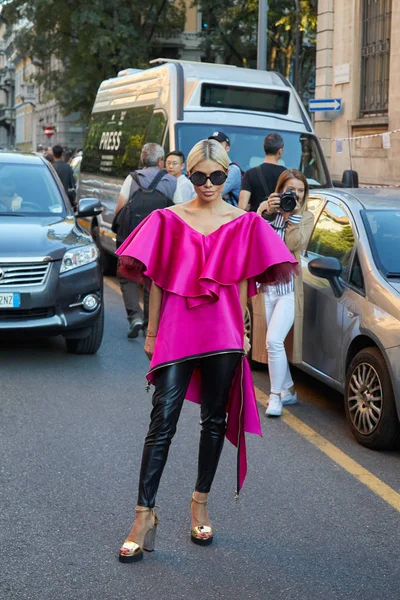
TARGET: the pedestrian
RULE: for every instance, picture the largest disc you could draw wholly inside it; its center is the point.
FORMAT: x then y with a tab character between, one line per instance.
49	156
232	186
199	290
152	159
175	165
284	301
65	173
68	154
259	182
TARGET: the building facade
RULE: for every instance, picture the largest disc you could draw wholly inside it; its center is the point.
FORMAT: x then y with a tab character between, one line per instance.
26	112
358	61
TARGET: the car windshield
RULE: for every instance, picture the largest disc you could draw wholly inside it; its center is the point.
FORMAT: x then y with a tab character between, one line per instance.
28	190
301	150
383	228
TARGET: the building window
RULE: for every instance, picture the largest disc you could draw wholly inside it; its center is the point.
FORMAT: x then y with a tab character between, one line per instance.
375	57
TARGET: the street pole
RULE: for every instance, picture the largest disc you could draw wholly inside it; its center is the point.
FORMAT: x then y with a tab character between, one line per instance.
296	78
262	35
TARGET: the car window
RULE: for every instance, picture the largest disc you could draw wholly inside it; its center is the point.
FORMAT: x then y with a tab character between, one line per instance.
28	189
314	205
333	236
383	229
356	278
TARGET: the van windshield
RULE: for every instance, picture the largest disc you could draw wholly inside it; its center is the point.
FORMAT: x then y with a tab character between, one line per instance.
301	150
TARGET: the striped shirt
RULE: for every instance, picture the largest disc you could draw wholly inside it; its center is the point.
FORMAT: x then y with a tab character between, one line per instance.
279	225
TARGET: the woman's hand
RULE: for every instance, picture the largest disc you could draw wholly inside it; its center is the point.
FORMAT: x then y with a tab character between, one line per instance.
149	345
246	344
271	205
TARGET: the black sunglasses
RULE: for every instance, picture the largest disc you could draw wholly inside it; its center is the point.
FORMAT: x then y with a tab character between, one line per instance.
216	178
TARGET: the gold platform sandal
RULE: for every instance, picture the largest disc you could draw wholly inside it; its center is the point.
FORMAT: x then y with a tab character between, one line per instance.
202	535
131	551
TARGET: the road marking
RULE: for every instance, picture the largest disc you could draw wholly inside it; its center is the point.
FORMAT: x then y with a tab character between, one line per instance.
342	459
377	486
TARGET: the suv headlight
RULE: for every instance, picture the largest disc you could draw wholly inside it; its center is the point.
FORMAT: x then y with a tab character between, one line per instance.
77	257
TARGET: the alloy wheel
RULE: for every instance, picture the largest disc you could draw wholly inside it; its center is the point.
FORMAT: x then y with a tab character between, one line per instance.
365	398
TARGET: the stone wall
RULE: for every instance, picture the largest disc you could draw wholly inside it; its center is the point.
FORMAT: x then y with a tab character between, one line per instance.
339	76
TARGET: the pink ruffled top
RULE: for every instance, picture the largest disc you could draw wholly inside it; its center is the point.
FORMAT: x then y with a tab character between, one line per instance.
201	312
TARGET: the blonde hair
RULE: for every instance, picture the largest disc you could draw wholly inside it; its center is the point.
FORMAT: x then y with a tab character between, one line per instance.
207	150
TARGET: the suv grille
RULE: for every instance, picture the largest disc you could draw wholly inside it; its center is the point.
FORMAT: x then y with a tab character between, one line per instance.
25	315
23	273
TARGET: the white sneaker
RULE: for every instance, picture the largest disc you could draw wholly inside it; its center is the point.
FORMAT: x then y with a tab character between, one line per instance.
288	398
274	407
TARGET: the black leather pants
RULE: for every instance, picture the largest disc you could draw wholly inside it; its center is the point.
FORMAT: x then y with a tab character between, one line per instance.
171	384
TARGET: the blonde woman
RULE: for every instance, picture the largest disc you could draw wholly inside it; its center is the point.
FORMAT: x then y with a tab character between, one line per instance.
284	302
195	339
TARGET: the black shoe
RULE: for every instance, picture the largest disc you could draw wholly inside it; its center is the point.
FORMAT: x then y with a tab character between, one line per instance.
134	327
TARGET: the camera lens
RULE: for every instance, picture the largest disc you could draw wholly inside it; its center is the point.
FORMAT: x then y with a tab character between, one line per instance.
288	201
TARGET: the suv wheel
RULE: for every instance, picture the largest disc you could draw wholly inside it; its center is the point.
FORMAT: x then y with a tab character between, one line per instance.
91	343
108	262
369	401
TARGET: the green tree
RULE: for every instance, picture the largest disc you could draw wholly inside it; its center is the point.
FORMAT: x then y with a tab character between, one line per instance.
78	44
230	32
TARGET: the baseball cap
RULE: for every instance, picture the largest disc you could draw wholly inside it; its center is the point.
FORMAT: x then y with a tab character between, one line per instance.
220	136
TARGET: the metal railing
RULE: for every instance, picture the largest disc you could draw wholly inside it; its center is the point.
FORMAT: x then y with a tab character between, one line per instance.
375	57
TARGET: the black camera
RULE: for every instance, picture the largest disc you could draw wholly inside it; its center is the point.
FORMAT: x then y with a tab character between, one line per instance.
288	201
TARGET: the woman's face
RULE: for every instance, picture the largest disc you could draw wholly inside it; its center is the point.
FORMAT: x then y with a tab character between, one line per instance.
296	186
208	192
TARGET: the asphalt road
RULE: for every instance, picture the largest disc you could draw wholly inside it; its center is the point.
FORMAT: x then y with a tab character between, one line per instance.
72	428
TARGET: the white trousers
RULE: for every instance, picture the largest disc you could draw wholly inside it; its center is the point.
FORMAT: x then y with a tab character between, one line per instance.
280	318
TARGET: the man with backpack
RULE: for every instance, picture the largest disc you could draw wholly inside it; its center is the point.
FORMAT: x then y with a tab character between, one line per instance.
143	191
233	184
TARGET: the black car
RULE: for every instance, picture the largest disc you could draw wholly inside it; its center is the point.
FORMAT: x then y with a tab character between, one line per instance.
50	275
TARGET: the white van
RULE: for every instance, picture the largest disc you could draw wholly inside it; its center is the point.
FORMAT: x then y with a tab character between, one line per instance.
176	104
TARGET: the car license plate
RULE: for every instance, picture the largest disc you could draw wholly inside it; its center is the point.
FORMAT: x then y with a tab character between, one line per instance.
12	300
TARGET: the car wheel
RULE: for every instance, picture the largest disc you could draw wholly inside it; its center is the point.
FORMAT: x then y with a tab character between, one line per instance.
91	343
108	262
369	401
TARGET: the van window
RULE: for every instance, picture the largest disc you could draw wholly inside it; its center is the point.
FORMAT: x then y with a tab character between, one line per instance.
115	139
301	150
244	98
156	129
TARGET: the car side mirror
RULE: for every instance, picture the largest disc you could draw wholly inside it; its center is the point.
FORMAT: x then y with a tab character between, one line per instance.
330	268
89	207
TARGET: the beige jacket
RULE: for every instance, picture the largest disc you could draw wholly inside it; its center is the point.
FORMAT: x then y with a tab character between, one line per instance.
296	237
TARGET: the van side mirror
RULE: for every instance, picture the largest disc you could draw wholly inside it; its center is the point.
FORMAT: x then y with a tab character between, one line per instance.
330	268
350	179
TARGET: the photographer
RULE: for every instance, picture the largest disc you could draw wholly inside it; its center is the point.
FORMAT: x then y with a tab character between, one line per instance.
286	211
